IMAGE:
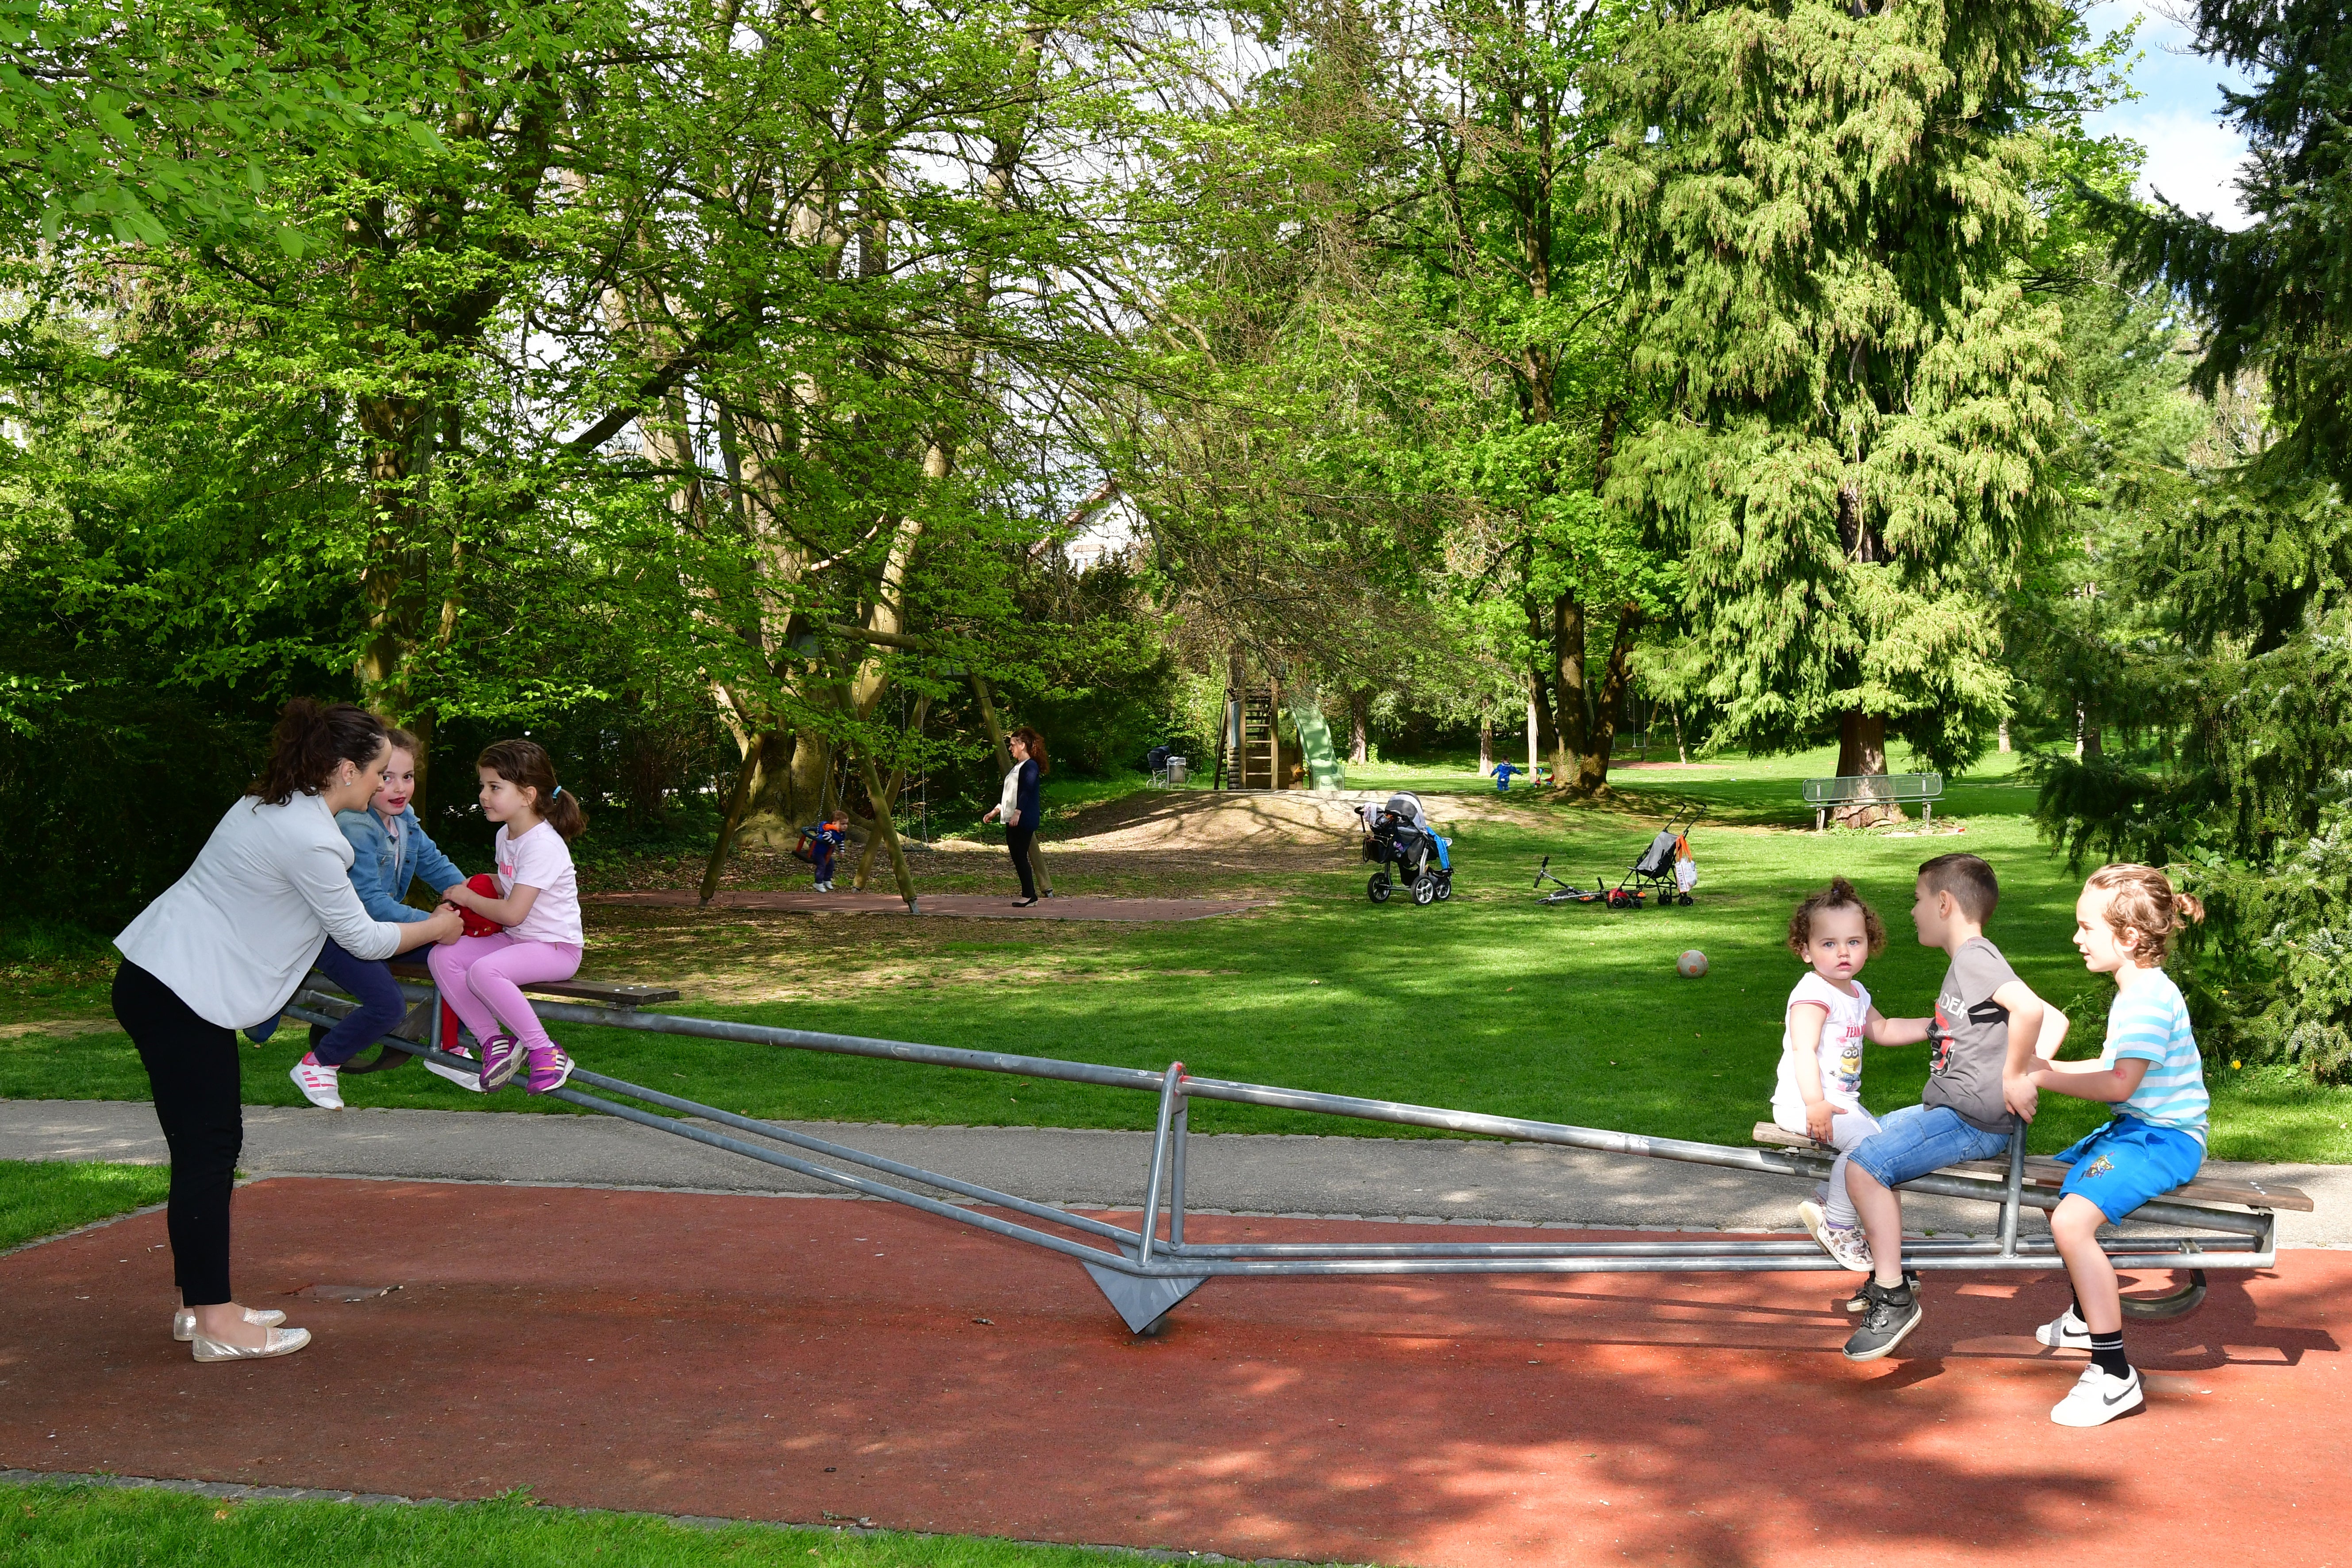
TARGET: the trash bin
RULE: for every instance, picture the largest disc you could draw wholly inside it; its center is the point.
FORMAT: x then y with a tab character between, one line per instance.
1175	772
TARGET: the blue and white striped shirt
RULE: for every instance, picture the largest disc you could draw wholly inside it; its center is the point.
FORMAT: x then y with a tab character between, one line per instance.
2149	1021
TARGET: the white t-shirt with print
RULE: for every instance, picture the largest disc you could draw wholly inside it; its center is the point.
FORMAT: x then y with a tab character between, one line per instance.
540	858
1841	1049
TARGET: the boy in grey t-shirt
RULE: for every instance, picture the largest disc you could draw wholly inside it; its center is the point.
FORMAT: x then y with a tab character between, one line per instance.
1982	1039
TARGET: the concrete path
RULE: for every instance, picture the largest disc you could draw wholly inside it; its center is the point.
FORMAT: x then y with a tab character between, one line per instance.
1386	1178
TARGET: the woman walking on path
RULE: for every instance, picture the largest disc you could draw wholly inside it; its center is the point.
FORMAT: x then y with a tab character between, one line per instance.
1019	807
223	948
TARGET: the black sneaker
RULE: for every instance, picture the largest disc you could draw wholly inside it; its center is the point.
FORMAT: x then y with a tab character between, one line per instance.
1859	1302
1892	1315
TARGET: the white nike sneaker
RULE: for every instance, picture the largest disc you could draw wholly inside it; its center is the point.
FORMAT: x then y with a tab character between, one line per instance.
1844	1243
2065	1332
317	1082
471	1082
2098	1398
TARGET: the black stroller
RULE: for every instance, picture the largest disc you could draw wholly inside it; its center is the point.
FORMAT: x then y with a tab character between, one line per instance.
1654	873
1399	839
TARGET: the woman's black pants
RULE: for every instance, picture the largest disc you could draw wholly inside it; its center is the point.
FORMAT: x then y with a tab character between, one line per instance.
1017	840
198	1087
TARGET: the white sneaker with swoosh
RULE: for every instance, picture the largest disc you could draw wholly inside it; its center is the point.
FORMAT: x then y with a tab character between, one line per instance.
2098	1397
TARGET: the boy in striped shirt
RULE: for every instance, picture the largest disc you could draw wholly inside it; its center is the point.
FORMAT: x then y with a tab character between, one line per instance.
2150	1071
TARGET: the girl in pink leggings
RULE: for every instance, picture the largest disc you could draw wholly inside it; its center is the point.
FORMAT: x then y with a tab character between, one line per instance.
482	977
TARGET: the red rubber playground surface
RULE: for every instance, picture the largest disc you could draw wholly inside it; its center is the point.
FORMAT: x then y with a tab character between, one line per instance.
805	1360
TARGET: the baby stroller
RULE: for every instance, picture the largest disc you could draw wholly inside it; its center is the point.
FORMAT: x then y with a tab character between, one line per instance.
1399	839
1665	868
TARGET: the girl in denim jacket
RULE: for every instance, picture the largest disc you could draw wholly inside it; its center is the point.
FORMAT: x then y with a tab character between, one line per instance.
389	849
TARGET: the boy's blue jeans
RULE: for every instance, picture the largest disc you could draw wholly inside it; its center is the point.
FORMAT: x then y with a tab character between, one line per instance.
381	1004
1918	1138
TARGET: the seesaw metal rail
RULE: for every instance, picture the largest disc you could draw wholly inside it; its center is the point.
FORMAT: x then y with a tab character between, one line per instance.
1148	1269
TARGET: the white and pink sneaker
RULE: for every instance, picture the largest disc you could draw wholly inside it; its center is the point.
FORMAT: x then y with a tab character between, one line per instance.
467	1079
317	1083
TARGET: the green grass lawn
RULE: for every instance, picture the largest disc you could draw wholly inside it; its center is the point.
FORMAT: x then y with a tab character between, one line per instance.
43	1197
109	1527
1491	1002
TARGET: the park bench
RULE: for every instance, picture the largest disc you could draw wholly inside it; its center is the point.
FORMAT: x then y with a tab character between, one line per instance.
2048	1174
1826	795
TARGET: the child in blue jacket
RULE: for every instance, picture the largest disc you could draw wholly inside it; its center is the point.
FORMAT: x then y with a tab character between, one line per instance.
388	849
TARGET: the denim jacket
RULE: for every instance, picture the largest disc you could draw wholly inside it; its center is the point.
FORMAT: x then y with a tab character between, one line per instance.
381	868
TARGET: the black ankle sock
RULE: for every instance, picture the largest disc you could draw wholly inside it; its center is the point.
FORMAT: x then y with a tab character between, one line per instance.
2075	1305
2107	1354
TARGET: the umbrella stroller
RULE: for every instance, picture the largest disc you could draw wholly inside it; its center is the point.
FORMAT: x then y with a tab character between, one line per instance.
1409	851
1664	867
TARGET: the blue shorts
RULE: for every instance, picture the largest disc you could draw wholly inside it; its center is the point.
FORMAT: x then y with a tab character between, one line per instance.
1918	1138
2128	1161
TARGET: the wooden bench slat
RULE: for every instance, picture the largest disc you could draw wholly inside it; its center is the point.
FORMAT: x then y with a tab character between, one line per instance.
2041	1171
613	993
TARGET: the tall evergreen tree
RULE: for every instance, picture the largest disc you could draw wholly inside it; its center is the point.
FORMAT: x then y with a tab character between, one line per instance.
2276	295
1821	210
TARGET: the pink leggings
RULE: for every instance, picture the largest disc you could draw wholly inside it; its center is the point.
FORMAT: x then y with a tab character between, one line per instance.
481	978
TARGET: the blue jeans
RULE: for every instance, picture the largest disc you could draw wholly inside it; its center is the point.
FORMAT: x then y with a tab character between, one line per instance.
381	1004
1918	1138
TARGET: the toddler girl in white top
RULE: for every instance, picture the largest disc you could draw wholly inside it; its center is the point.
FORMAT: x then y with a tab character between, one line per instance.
482	977
1828	1017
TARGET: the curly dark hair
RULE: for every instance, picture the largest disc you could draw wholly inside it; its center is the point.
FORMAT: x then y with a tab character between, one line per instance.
1838	895
310	741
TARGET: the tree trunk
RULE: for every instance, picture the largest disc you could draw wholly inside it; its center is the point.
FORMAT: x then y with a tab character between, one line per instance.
1359	725
1861	753
888	831
1572	722
1486	745
1592	766
890	790
2086	733
2004	736
1682	751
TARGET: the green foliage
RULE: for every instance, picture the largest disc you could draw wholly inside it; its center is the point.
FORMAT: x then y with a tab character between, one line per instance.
2275	293
1821	209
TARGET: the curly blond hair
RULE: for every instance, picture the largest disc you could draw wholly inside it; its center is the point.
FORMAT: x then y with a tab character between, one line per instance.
2142	901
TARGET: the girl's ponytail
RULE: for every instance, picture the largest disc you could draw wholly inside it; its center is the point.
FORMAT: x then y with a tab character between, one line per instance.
526	765
312	740
2142	899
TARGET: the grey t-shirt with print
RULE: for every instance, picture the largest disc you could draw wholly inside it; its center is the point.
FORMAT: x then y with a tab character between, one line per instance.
1969	1040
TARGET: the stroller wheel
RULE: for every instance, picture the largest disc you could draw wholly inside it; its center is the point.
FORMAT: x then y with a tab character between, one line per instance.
1686	900
1377	889
1424	889
1444	886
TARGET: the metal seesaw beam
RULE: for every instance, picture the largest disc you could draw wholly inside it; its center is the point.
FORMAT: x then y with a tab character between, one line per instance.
1143	1275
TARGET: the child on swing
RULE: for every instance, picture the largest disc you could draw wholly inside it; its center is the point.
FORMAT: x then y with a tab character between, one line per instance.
482	977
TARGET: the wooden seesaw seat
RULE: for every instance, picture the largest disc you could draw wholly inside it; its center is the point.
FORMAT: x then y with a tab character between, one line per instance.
2047	1174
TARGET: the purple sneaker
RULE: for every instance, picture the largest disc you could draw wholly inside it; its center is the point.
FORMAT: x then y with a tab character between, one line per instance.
501	1055
549	1069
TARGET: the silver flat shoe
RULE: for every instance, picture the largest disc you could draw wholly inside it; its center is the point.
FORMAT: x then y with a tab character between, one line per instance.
184	1322
274	1341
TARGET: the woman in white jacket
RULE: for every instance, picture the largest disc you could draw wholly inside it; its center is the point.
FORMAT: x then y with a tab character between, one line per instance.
223	948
